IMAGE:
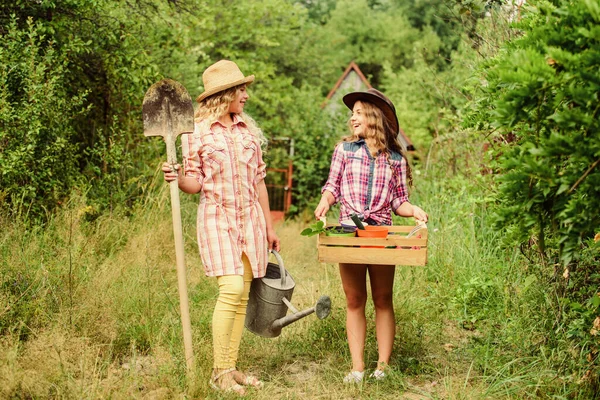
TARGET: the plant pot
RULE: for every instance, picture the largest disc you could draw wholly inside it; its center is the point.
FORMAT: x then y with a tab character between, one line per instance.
340	232
371	231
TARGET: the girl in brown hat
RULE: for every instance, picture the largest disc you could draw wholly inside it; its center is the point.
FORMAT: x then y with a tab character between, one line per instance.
222	161
368	177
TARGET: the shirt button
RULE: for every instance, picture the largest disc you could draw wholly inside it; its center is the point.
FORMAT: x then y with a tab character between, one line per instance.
241	226
239	208
238	192
236	176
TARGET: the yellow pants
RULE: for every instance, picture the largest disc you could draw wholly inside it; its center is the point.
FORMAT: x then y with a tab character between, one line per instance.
229	315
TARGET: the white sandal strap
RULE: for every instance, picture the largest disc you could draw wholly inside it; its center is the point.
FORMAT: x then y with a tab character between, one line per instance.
378	374
354	377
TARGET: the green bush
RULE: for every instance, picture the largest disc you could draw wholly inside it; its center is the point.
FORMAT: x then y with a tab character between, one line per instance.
539	103
544	90
38	160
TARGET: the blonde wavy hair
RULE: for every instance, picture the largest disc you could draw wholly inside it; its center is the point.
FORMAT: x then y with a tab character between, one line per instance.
213	107
380	131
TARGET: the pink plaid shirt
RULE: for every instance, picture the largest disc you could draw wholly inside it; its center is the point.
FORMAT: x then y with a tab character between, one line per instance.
369	186
229	165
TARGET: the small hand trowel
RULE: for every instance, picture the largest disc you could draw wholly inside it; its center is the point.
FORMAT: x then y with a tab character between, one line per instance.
357	221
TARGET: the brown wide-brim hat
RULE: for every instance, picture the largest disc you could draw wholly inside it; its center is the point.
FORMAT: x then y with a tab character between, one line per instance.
374	96
220	76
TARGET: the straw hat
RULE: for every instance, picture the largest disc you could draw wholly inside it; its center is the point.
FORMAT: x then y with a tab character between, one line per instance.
374	96
222	75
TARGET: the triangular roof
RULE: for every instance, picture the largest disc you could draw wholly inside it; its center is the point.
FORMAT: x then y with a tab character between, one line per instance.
362	80
351	67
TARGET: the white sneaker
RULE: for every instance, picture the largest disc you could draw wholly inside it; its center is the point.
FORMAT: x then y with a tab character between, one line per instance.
378	375
354	377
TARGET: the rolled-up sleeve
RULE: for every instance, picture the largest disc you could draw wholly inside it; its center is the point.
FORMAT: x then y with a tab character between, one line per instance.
192	164
336	171
400	194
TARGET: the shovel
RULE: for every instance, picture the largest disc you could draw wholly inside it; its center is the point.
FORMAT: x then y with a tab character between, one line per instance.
167	110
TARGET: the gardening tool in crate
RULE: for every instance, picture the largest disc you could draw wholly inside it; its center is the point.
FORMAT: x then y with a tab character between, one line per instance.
270	299
167	111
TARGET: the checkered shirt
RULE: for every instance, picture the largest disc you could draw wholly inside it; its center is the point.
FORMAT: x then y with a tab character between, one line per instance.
369	186
228	164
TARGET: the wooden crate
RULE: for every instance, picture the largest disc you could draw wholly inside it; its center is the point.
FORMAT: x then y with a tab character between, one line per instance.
406	251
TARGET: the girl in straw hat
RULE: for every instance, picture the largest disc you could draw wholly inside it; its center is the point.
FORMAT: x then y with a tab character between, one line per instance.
368	177
222	160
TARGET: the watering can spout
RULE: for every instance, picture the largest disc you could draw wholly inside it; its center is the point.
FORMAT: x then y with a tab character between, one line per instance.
321	308
269	302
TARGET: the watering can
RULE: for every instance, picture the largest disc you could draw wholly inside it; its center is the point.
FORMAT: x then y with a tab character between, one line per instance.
270	300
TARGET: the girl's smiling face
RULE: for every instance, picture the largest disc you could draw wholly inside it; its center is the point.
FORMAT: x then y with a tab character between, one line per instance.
358	121
238	103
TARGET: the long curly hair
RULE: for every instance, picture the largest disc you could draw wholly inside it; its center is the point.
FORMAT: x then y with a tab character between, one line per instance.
380	132
213	107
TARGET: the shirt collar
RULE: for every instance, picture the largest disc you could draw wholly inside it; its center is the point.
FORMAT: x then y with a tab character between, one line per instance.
237	120
361	142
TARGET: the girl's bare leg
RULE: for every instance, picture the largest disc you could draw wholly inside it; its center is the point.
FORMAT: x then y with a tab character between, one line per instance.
354	277
382	286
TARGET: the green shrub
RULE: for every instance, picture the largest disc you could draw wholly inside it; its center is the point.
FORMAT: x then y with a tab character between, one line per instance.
539	103
544	90
38	160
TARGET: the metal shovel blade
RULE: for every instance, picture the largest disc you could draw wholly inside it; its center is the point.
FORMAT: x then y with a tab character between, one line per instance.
167	102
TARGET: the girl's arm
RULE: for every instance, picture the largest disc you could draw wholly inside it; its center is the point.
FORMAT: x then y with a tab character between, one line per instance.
190	182
263	200
327	200
408	210
187	184
400	204
331	190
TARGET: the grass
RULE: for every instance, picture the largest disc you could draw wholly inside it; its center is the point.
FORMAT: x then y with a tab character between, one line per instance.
89	310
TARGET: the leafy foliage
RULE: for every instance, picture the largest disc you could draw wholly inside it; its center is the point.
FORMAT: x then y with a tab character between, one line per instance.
544	90
296	49
539	105
315	229
73	75
38	157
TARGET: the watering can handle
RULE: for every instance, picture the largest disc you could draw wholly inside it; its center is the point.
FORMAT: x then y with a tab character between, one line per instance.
281	268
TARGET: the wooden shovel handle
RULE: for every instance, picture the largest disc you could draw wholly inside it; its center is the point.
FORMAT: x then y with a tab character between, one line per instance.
180	258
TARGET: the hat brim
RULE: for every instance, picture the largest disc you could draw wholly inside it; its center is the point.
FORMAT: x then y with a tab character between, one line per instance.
247	80
388	111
